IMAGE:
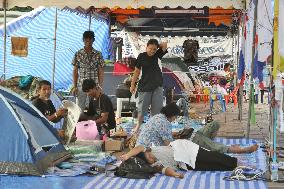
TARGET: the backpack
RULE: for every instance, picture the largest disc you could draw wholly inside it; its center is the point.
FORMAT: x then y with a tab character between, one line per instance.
123	91
190	52
135	168
25	81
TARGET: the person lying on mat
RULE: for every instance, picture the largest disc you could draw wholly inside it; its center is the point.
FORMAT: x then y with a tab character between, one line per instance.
43	103
100	107
158	131
182	154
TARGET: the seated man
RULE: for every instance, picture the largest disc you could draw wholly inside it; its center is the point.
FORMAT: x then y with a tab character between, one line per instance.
45	105
158	132
100	107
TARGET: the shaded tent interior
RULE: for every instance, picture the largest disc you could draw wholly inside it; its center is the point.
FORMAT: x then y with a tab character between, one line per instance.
168	21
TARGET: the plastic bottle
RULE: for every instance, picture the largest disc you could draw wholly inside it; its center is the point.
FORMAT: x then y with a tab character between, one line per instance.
274	171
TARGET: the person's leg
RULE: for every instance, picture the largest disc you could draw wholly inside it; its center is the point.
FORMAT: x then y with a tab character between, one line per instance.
210	130
214	161
209	144
157	101
261	96
144	101
256	98
81	99
236	149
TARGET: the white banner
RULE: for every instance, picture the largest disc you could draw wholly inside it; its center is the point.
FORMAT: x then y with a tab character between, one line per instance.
214	52
209	46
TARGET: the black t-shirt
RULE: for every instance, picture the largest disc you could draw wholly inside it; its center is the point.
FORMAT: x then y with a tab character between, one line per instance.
102	105
45	107
151	73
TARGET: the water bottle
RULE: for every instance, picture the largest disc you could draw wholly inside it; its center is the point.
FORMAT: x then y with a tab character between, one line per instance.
274	171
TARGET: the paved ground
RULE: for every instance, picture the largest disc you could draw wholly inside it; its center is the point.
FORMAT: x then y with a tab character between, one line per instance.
231	127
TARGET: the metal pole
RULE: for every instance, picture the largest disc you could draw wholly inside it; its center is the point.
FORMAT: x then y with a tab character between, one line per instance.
90	20
5	39
252	66
240	93
54	50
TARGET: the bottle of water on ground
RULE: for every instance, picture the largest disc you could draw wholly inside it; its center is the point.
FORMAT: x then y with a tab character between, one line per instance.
274	171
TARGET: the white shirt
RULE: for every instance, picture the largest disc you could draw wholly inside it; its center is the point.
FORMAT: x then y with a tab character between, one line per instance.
185	151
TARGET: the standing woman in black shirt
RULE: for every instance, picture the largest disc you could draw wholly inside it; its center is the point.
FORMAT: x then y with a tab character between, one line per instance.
150	86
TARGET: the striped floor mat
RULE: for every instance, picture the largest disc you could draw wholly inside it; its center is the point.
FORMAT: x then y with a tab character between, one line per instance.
192	179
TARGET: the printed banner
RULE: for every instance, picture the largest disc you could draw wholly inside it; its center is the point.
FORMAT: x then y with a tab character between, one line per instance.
213	53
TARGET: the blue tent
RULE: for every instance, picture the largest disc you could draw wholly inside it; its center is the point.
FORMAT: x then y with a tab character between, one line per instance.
29	143
39	26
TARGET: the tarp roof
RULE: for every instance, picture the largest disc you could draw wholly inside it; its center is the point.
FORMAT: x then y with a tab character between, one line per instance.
176	21
238	4
38	26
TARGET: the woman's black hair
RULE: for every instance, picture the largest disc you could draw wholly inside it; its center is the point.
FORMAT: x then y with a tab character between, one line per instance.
170	110
153	42
142	156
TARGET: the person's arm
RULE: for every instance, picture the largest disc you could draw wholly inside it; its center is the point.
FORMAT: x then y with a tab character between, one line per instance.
167	142
101	76
60	113
102	119
132	152
176	135
101	70
134	79
164	46
75	79
165	131
168	171
162	50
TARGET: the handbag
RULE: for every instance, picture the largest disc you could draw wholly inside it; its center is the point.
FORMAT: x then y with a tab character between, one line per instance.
185	133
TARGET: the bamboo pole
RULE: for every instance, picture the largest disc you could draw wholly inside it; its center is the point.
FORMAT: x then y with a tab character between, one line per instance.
54	51
252	66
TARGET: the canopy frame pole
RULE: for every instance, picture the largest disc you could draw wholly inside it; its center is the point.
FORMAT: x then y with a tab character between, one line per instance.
90	20
251	71
54	50
5	39
241	88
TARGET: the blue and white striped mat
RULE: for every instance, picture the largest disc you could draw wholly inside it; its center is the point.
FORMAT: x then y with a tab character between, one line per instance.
192	179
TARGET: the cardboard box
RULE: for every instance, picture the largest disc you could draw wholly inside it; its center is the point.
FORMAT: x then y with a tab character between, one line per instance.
114	145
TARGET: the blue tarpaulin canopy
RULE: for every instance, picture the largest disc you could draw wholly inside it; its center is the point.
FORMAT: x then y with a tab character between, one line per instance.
39	26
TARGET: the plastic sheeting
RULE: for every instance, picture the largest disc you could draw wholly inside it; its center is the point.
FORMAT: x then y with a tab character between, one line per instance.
39	27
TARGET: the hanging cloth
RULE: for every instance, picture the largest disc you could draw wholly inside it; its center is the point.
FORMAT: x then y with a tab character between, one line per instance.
19	46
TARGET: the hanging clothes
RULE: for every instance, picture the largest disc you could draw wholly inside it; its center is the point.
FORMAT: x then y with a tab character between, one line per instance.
19	46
